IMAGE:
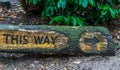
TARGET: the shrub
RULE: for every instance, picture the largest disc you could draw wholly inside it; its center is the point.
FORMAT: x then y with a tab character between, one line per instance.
77	12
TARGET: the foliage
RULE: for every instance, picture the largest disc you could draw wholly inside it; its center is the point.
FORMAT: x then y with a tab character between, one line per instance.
70	20
79	12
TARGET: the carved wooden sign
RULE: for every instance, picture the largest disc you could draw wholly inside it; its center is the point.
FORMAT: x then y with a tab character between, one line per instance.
56	39
23	39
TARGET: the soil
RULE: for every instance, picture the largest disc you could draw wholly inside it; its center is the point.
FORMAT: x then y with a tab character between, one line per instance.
16	15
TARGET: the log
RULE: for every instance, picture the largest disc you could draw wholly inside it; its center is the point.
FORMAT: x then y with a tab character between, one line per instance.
46	39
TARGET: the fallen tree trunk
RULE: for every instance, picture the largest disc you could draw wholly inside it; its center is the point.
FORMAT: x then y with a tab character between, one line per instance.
44	39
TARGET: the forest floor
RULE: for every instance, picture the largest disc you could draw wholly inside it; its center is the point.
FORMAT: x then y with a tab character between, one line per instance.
16	15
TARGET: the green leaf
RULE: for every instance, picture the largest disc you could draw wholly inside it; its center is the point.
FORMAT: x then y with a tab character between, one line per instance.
57	19
85	3
119	11
104	7
58	4
67	21
47	11
63	4
30	1
76	1
35	2
60	1
116	45
52	10
92	2
104	12
43	14
112	12
80	2
48	1
79	22
74	22
118	0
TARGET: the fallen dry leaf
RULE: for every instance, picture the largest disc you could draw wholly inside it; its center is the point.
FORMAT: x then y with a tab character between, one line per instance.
1	18
77	62
65	68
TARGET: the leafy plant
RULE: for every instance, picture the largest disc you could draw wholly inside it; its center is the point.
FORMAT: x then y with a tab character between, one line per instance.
78	12
70	20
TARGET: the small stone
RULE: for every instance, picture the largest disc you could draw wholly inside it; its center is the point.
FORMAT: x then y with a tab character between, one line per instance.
36	61
65	68
89	68
77	62
17	68
31	65
1	66
39	69
1	9
84	68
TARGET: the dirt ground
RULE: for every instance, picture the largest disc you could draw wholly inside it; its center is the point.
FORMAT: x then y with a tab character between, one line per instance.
16	15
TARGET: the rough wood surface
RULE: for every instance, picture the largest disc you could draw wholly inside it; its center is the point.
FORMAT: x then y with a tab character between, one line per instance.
46	39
